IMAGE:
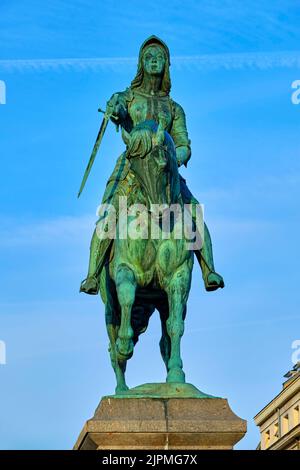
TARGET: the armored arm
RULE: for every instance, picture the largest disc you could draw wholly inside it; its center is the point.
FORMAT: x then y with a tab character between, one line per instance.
118	108
180	135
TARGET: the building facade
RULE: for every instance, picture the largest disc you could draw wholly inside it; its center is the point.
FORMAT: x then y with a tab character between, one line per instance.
279	421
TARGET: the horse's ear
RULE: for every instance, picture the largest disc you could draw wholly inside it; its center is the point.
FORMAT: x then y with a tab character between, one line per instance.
125	136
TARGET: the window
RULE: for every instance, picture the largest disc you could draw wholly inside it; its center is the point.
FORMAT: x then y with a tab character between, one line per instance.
267	438
285	424
296	416
276	430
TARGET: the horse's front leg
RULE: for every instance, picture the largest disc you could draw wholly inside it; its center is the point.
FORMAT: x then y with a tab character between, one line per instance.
126	287
177	292
119	366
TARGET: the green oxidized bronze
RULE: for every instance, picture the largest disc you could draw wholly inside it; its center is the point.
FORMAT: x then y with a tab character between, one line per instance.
135	276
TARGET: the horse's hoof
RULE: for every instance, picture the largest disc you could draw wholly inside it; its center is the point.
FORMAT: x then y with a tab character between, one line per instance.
121	389
124	349
176	375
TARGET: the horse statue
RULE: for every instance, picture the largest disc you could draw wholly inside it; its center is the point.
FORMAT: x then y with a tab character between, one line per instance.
145	273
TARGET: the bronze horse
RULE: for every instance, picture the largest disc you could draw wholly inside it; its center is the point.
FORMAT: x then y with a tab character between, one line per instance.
146	273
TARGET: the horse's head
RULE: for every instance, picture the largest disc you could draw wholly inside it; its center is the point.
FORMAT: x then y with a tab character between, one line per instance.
152	156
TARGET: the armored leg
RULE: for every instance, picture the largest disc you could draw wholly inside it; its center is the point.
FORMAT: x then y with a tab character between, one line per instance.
100	245
98	252
212	280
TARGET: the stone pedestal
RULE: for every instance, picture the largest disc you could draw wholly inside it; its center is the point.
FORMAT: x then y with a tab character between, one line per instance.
160	417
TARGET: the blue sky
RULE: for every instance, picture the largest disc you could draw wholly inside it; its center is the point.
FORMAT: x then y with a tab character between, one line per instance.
233	64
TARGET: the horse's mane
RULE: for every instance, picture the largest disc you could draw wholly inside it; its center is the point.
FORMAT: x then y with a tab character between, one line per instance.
140	142
141	139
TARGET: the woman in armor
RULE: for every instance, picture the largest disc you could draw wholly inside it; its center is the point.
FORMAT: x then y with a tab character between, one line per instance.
148	98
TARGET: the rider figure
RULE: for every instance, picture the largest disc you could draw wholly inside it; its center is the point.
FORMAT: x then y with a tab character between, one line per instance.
148	98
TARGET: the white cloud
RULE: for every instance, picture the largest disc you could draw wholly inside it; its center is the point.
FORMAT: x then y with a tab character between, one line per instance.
61	230
228	61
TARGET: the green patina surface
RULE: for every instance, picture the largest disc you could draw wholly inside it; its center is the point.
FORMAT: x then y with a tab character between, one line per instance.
135	277
163	390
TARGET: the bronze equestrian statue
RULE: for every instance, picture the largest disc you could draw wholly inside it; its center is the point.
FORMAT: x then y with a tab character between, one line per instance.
137	275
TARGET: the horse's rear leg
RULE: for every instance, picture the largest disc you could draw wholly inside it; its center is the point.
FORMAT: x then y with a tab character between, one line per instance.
126	287
177	291
164	343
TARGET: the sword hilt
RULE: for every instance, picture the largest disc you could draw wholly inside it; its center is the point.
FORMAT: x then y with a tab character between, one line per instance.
104	112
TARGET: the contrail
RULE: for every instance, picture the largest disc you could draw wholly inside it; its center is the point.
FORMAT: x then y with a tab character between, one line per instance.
228	61
20	65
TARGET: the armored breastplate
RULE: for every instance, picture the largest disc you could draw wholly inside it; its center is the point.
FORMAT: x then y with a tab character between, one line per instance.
145	107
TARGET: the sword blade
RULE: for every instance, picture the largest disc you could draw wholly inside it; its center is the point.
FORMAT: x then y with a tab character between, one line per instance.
94	153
